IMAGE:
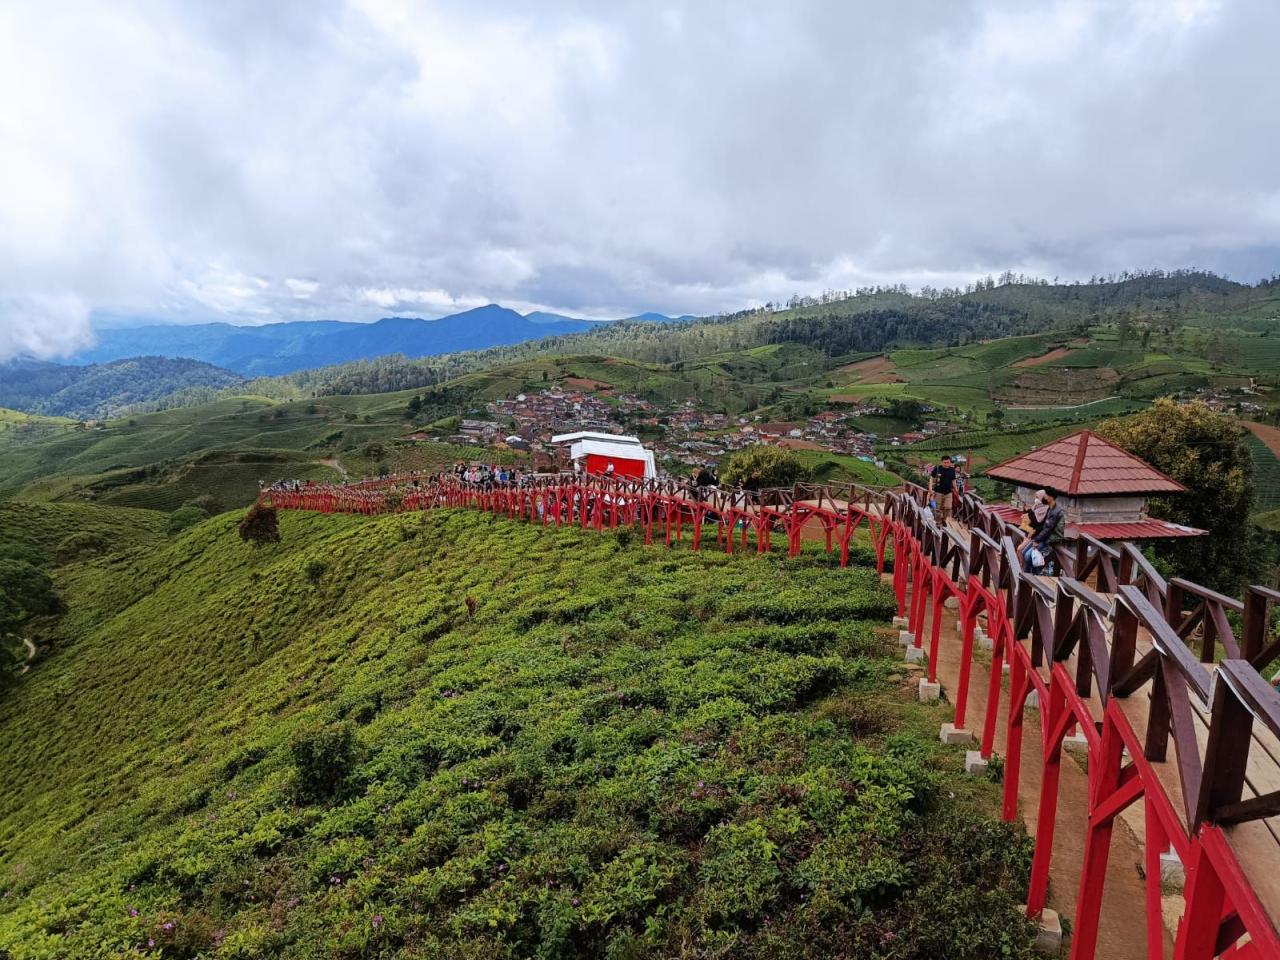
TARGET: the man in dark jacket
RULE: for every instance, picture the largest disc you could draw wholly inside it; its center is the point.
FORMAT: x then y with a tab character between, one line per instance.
1051	532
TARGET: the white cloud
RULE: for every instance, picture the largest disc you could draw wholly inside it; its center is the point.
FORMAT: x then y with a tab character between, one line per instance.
344	159
43	325
302	289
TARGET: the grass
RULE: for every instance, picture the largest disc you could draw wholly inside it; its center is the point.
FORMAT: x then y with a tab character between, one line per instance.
426	455
1083	413
43	526
311	749
829	467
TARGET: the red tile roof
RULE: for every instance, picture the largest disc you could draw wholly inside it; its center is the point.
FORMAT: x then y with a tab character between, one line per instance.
1006	512
1084	464
1140	530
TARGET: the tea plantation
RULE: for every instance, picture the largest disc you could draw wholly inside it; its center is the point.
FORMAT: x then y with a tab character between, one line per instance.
315	749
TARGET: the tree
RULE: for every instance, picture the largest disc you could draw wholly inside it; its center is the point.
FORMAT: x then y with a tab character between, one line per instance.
185	516
774	466
1204	451
260	525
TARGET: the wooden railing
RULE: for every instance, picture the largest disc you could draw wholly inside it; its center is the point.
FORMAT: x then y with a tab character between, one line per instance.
1110	647
1113	649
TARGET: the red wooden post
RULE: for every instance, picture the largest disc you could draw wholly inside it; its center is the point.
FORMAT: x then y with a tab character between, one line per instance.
1047	817
900	567
919	591
1156	841
1013	737
998	626
1205	895
935	629
1104	771
969	616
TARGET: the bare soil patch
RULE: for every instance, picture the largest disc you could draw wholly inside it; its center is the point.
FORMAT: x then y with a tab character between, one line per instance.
1059	387
1266	433
1052	355
583	383
791	443
874	370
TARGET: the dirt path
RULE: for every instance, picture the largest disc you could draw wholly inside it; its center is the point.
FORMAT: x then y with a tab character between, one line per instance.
1074	406
32	650
1265	432
1121	931
1052	355
333	464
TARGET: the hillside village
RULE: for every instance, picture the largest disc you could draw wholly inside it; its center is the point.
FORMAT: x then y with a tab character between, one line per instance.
681	432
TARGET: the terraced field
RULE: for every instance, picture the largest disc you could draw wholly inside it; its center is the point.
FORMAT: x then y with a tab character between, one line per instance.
1264	441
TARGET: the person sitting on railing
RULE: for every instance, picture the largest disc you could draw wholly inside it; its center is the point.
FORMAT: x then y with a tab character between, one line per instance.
1037	555
1033	520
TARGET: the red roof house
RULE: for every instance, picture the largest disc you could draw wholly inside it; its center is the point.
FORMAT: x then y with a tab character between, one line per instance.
1102	488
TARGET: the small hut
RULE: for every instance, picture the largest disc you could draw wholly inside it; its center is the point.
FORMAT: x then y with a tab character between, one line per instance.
1102	488
596	453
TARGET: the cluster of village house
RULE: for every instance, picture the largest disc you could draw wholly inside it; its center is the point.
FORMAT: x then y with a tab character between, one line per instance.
1230	399
685	433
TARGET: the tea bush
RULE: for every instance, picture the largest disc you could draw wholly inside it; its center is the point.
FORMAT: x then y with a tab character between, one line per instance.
620	752
323	757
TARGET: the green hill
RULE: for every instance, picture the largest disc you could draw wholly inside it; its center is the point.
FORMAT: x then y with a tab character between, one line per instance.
43	526
99	390
311	749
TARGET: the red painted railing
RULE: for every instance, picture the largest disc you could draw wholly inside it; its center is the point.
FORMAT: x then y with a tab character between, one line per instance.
1105	648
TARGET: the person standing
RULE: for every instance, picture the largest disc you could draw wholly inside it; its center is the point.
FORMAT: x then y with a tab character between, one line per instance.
942	482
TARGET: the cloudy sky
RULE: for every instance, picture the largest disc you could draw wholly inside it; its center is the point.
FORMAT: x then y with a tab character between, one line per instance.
252	162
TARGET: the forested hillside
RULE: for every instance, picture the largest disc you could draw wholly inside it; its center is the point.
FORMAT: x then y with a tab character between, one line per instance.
314	749
101	390
841	322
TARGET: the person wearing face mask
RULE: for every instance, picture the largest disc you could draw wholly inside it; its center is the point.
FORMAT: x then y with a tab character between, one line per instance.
1032	520
1052	529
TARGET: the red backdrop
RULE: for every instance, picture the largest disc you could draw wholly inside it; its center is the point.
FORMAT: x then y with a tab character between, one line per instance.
622	467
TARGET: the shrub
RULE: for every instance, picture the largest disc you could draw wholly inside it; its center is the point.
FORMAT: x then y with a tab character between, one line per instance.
314	570
323	757
185	517
206	502
78	546
260	525
771	466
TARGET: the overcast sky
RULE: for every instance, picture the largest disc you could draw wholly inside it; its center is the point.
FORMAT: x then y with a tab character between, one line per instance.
250	161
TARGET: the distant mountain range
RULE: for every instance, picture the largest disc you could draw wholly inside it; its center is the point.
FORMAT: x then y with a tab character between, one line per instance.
279	348
97	391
